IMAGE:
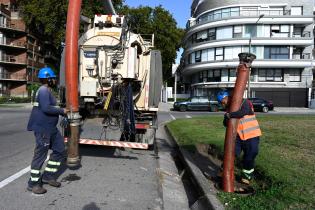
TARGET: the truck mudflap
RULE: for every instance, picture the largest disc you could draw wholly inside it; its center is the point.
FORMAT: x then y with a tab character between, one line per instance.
110	143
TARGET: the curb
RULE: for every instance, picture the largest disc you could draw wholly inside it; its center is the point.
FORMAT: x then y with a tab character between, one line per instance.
208	191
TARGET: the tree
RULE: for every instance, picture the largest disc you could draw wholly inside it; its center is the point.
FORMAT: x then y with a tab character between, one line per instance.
157	21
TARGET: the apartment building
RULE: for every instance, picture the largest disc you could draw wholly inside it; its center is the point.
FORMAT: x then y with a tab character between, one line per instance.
279	33
21	53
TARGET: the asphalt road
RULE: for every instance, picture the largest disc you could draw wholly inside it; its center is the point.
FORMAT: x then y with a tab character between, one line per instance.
109	178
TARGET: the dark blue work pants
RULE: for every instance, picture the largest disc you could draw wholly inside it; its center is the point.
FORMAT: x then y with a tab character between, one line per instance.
250	150
44	142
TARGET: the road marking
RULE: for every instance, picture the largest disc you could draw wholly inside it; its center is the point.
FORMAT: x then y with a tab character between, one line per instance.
172	116
16	176
187	116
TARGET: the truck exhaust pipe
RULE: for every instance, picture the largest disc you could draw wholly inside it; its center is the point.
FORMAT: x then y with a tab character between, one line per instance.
246	60
71	64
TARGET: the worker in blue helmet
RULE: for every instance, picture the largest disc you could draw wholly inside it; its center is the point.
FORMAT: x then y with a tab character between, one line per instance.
43	122
248	133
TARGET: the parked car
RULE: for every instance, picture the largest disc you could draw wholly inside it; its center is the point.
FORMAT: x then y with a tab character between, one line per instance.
261	104
197	103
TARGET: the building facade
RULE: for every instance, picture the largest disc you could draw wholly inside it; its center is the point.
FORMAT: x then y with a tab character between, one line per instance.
279	33
21	53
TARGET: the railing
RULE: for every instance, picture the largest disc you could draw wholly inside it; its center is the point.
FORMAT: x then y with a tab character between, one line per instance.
12	26
14	76
14	43
218	15
4	92
12	59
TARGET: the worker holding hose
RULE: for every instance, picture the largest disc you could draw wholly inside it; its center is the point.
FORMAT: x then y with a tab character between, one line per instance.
248	133
43	121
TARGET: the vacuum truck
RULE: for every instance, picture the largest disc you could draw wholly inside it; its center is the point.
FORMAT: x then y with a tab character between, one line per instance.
119	84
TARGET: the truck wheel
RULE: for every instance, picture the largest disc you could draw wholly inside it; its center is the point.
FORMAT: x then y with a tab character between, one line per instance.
265	109
182	108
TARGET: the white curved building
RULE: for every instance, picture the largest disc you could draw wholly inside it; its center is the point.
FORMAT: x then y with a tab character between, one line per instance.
279	33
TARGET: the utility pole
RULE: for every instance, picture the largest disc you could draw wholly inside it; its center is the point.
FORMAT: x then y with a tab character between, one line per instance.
250	46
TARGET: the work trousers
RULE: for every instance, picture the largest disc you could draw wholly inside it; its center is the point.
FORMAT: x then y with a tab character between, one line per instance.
44	142
250	150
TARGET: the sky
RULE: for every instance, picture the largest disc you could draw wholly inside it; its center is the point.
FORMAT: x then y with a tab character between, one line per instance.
180	9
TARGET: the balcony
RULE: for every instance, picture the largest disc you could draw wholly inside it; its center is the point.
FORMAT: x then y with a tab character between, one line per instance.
12	27
13	43
13	76
229	13
11	59
4	92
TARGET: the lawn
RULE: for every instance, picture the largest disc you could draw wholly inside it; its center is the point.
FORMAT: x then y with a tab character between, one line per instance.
285	165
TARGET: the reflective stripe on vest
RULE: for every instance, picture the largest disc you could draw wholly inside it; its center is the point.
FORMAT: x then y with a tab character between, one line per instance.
248	127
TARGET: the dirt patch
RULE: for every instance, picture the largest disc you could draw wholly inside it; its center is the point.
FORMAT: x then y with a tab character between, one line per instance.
209	161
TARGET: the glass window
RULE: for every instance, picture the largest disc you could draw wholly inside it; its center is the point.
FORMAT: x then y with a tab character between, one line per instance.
198	56
270	75
219	53
217	14
212	34
194	99
280	30
235	11
295	75
226	12
211	54
224	75
204	55
224	33
192	58
237	31
228	53
201	36
276	52
232	75
250	31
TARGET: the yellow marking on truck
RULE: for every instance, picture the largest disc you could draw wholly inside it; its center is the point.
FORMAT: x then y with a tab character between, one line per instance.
107	100
109	34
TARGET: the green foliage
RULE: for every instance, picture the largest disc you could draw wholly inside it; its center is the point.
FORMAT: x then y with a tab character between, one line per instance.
48	17
285	164
158	21
8	100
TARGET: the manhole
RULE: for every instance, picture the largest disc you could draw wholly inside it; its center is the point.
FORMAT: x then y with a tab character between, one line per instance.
239	189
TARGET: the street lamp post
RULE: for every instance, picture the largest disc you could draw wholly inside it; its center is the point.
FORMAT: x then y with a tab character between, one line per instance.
250	46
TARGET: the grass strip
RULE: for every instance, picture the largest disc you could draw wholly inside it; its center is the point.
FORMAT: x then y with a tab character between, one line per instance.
285	164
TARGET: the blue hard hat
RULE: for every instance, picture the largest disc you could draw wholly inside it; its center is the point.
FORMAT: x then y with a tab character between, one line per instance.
45	73
221	95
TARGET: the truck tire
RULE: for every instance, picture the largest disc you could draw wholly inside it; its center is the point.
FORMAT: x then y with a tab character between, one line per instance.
183	108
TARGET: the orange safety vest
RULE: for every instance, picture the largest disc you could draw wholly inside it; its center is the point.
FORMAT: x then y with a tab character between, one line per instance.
248	127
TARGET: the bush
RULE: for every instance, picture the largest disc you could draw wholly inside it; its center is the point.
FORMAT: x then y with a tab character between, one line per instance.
7	99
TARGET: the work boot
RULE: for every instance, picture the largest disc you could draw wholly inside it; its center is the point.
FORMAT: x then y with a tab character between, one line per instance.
52	183
37	189
247	176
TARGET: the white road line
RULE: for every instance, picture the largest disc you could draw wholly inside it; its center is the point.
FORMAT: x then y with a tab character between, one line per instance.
187	116
16	176
172	116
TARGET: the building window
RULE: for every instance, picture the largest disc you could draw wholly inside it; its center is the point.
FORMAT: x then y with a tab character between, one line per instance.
295	75
296	10
214	75
237	31
202	36
271	52
212	34
219	53
232	75
270	75
198	56
280	31
224	33
250	31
